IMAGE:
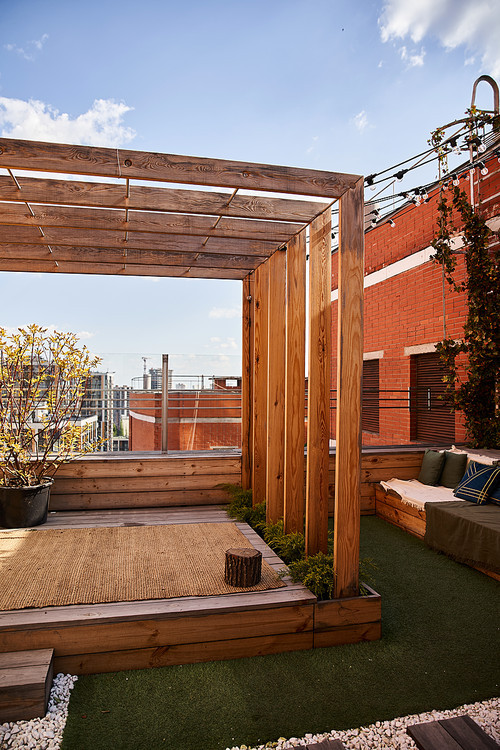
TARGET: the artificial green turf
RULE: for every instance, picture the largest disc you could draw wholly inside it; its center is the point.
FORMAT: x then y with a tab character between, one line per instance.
439	649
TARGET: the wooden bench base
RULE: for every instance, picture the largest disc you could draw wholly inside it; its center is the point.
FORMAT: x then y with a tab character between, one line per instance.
25	682
459	733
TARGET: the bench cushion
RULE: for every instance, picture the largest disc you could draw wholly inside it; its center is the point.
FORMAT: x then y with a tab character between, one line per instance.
454	468
432	466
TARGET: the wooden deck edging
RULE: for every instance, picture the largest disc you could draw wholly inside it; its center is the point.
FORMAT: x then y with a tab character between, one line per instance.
89	639
182	479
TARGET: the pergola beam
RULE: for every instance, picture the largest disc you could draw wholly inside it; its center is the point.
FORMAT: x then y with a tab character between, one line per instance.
53	265
89	255
17	214
174	168
140	240
155	198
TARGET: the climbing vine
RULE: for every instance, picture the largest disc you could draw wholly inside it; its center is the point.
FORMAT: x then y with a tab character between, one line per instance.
478	396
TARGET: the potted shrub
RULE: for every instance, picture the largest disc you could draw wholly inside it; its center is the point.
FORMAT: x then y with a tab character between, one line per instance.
43	379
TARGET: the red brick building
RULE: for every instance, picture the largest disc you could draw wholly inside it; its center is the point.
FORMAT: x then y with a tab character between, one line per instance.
408	309
197	419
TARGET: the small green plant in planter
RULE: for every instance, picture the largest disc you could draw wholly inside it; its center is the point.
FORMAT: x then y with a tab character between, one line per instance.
290	547
43	378
316	573
241	509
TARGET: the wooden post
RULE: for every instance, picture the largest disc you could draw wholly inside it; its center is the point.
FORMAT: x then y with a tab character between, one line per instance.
275	385
246	382
164	403
259	454
349	372
318	409
295	383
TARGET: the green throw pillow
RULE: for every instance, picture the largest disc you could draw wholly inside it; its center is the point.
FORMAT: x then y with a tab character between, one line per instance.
432	466
454	468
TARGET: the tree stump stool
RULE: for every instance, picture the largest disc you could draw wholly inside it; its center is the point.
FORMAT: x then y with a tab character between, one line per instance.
243	567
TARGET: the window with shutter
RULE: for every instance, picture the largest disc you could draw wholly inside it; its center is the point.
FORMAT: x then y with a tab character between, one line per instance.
370	396
434	420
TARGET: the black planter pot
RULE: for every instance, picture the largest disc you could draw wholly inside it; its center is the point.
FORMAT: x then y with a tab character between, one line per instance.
21	507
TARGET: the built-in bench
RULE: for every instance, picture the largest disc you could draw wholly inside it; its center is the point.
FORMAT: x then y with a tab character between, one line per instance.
407	503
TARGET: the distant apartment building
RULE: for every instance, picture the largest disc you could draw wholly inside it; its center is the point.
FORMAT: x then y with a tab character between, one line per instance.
98	401
121	394
408	309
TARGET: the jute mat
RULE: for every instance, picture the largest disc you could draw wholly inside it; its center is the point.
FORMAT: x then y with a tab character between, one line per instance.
53	567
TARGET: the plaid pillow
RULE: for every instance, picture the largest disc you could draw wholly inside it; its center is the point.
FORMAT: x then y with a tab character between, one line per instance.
478	482
494	496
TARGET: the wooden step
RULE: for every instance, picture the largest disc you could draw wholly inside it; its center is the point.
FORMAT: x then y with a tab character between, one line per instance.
326	745
25	682
458	733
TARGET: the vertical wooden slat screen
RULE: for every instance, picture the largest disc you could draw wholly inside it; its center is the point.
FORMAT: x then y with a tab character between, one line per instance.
318	409
295	383
276	389
349	370
246	382
259	456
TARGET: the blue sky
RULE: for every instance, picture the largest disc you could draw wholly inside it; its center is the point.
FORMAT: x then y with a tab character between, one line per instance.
328	84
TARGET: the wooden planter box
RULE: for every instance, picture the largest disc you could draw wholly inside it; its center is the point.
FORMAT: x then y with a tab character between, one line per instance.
349	620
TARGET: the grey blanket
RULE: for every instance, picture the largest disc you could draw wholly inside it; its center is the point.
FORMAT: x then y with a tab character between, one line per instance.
466	532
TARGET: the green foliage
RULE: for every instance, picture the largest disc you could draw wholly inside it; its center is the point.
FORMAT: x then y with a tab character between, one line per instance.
289	547
43	380
317	573
241	509
478	397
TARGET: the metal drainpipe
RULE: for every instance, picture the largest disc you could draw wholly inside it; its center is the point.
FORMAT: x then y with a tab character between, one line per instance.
496	110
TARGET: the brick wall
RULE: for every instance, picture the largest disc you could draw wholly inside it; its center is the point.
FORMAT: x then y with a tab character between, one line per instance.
197	420
408	309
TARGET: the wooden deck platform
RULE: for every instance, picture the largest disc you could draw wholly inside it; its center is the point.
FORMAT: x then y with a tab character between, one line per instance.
133	635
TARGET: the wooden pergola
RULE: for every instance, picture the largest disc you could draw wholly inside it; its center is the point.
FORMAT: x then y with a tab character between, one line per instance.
62	222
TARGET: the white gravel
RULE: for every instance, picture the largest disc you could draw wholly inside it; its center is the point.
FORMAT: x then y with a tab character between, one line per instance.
392	734
44	733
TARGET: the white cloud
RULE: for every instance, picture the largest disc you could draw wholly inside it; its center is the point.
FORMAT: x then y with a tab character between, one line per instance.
361	121
225	312
85	335
51	328
101	125
412	60
311	148
28	52
226	343
474	24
